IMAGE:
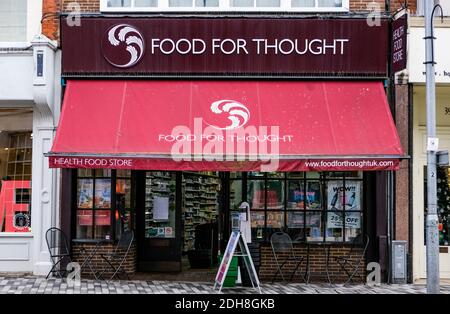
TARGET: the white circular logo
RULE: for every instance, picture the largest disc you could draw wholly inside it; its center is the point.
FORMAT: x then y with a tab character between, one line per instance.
238	114
123	46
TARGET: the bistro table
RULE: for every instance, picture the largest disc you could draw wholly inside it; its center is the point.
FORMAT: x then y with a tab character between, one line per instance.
89	254
326	248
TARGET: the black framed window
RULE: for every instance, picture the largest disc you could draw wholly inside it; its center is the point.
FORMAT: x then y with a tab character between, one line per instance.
103	203
310	206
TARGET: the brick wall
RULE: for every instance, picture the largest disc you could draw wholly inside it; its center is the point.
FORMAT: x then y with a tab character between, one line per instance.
268	266
50	25
98	263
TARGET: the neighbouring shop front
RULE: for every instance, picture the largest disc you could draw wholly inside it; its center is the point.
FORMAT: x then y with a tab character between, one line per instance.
168	124
417	82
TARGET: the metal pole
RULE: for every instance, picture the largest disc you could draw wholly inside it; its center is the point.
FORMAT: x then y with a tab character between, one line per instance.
432	237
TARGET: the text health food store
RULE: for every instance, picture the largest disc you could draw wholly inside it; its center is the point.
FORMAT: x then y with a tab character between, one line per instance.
168	124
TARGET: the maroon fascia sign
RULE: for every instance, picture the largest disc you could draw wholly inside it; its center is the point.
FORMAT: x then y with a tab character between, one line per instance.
111	46
399	28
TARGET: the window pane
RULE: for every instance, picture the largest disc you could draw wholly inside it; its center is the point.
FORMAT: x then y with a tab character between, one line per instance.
103	173
242	3
312	175
257	174
234	175
102	193
85	172
206	3
313	195
13	20
119	3
275	194
85	191
295	224
313	226
335	194
276	175
257	221
123	193
180	3
145	3
102	224
123	173
353	195
297	175
84	224
235	194
267	3
275	220
303	3
353	224
255	194
334	226
296	195
15	170
330	3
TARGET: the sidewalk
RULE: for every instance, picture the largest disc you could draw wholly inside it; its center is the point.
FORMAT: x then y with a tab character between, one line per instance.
39	285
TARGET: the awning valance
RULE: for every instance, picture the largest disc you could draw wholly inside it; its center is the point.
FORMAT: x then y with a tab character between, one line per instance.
226	126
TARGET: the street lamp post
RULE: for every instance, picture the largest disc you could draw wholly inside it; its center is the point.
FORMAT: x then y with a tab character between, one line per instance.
432	234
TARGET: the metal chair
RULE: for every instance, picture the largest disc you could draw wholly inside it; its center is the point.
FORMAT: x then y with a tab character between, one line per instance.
58	248
283	252
351	263
116	259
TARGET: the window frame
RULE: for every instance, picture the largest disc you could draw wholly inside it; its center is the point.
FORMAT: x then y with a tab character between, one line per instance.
323	180
113	180
224	6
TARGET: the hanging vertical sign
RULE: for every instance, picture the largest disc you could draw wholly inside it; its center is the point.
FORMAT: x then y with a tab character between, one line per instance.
398	42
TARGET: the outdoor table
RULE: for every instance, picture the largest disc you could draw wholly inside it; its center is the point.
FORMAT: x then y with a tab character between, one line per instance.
90	255
326	246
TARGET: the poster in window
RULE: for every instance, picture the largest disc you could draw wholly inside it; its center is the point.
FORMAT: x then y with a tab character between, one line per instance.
103	193
352	220
85	189
336	195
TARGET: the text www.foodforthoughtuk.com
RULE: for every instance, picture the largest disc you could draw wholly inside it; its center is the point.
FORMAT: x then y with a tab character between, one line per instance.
350	163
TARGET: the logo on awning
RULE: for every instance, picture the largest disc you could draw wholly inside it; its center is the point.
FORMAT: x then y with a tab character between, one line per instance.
123	46
238	113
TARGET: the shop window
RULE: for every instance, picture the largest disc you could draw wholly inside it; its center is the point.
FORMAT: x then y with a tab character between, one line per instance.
225	5
95	211
310	206
13	20
443	204
15	169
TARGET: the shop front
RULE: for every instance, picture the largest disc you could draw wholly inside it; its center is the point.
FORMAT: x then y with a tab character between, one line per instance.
417	81
168	124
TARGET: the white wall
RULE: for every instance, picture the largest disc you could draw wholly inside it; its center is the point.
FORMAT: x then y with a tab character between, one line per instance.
419	162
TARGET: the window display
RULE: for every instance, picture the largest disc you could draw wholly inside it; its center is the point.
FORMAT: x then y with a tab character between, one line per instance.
319	206
97	216
15	169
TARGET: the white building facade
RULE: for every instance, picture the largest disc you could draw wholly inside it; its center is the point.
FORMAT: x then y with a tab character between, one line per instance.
416	69
29	109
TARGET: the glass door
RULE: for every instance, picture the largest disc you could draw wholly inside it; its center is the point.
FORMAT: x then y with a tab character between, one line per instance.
160	247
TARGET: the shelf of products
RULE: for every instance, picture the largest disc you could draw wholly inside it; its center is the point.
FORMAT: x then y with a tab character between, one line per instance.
200	204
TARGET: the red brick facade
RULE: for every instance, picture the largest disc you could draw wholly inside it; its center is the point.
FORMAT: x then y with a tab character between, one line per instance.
317	262
51	8
98	263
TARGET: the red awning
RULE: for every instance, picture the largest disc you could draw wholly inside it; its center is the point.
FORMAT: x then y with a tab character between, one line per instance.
226	126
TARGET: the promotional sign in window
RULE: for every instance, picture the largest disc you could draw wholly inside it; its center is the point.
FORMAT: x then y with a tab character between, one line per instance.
346	197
